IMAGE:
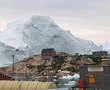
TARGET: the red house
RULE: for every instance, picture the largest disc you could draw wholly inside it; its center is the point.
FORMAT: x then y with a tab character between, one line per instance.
5	77
48	53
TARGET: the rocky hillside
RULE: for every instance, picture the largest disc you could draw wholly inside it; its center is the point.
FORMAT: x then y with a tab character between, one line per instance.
36	65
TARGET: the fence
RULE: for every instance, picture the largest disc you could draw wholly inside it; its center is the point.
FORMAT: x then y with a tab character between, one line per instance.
30	85
26	85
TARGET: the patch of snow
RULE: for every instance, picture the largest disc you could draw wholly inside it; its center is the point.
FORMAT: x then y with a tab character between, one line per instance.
76	76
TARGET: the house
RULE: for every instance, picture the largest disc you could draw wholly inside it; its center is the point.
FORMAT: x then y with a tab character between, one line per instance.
5	77
100	53
48	53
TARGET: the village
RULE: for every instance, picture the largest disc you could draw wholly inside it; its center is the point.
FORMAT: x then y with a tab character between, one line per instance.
63	69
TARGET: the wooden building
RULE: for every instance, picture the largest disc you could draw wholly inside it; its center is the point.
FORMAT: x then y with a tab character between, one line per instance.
48	53
5	77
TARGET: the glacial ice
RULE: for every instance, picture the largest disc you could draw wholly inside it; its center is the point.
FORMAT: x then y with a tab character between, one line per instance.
27	37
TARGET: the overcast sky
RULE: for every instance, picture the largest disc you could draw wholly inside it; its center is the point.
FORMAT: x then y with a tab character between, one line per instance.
87	19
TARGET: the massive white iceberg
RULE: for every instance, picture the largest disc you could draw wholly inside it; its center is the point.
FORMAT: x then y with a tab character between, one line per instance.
29	36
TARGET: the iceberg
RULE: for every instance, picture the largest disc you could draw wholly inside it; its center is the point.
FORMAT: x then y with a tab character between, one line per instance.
28	36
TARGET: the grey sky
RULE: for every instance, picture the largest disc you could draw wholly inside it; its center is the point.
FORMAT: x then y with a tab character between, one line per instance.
87	19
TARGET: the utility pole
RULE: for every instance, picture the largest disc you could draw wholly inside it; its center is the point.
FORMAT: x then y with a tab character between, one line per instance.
13	68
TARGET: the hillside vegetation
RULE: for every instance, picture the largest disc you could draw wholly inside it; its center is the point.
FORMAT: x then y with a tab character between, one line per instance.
62	61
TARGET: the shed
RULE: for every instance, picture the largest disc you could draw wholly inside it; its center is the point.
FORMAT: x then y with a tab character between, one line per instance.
5	77
96	76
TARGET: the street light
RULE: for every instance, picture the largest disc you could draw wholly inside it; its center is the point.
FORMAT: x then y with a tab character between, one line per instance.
13	56
13	69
